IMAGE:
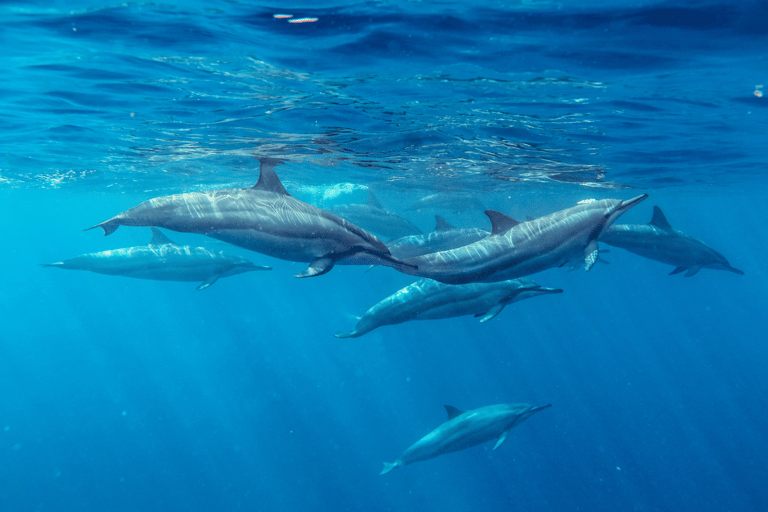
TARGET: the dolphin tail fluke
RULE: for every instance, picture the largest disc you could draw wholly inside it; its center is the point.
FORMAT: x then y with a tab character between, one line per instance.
388	466
109	227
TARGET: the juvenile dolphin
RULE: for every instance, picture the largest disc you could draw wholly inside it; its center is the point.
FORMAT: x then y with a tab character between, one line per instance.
162	260
517	249
465	429
265	219
659	241
452	202
429	300
443	238
373	217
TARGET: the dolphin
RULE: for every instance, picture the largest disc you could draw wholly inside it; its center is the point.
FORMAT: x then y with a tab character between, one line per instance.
162	260
464	429
265	219
516	249
452	202
373	217
443	238
429	300
659	241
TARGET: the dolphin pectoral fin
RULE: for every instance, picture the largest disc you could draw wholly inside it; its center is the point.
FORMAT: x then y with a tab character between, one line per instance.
318	267
208	282
693	271
502	438
491	313
109	227
388	466
677	270
591	253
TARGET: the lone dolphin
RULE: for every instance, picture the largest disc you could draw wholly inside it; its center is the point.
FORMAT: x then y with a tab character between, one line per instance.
374	218
659	241
162	260
429	300
465	429
445	237
264	219
517	249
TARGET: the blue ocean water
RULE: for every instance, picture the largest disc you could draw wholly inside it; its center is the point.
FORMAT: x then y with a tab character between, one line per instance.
120	395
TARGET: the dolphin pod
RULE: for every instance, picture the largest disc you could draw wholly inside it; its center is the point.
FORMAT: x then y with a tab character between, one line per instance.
465	429
517	249
430	300
265	219
659	241
162	260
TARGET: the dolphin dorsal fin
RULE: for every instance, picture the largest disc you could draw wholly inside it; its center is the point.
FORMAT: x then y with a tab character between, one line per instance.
452	411
442	225
500	222
268	179
372	201
659	220
158	238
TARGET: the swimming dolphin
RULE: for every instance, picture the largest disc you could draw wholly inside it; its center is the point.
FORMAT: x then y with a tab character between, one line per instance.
452	202
374	218
516	249
443	238
465	429
162	260
429	300
659	241
263	218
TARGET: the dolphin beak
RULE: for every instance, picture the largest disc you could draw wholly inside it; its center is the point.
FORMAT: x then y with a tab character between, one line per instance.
543	289
629	203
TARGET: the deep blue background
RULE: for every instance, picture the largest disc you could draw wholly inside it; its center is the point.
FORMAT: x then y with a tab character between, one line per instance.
122	395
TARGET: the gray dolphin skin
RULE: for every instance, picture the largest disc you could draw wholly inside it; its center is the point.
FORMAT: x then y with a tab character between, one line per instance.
162	260
429	300
659	241
444	238
464	429
452	202
517	249
373	217
264	219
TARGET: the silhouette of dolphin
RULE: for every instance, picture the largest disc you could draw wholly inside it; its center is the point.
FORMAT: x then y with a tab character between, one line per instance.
374	218
162	260
659	241
445	237
465	429
429	300
516	249
265	219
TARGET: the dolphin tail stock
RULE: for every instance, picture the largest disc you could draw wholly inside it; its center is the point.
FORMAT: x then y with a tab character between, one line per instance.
389	466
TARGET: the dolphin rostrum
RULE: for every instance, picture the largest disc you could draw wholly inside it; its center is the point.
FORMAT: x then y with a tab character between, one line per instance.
659	241
429	300
452	202
263	218
443	238
373	217
464	429
162	260
517	249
